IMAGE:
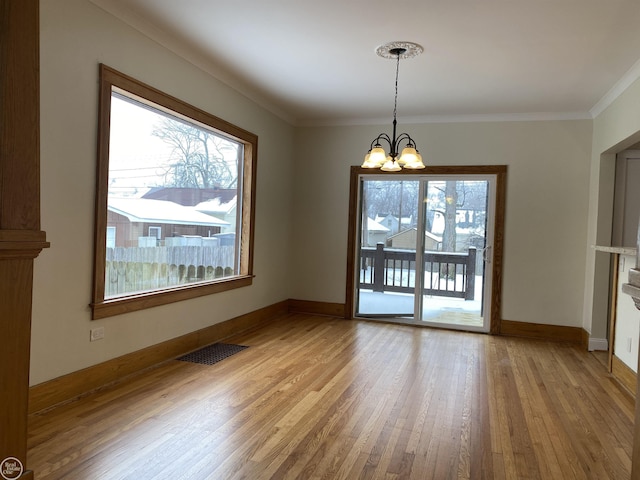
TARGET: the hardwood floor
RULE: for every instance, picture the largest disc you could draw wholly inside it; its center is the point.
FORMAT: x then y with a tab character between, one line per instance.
322	398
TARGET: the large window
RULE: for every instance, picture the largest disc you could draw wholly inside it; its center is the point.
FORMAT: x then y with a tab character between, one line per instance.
174	203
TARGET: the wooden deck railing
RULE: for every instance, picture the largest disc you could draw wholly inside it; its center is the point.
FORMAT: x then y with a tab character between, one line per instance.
393	270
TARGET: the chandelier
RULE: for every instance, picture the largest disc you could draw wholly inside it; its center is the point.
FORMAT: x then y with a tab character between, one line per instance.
410	158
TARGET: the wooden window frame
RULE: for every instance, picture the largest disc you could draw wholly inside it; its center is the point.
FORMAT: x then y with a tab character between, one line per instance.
101	307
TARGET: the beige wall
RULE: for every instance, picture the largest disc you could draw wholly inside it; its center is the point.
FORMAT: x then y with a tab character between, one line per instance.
546	212
76	36
614	130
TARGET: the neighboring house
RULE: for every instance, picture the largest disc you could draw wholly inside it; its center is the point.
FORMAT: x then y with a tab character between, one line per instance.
190	196
223	208
408	239
392	222
220	203
376	233
470	218
466	219
133	222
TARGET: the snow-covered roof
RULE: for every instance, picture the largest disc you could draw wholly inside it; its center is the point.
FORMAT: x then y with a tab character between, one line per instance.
404	221
145	210
216	206
415	230
373	226
433	236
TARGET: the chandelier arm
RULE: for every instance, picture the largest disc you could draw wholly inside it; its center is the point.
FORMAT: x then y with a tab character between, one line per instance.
376	141
407	138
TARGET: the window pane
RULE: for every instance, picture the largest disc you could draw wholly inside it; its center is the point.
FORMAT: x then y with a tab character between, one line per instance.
173	200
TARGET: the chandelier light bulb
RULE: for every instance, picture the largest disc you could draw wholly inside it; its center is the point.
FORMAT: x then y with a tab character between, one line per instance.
377	155
391	165
417	164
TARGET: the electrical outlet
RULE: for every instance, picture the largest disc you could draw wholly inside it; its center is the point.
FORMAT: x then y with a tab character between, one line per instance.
96	334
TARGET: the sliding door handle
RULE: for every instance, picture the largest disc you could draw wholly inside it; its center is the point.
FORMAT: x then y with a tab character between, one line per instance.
487	254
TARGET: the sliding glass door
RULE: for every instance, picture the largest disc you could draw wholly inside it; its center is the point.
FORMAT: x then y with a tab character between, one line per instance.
424	254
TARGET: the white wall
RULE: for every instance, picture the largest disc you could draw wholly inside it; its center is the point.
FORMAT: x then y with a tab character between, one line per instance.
76	36
615	129
546	209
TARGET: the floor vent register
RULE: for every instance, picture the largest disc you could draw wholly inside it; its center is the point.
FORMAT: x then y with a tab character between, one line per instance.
212	354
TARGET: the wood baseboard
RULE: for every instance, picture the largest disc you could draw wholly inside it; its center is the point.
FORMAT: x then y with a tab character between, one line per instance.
556	333
584	339
624	374
76	384
79	383
318	308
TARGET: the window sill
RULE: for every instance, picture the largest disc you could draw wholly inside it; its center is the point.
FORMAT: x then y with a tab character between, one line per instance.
141	301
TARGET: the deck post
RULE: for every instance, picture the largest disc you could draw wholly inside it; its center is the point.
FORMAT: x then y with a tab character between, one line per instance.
378	268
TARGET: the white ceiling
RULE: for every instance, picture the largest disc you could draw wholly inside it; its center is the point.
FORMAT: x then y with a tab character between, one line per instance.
314	62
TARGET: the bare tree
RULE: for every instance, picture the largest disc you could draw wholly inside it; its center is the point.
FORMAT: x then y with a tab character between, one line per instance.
198	157
470	196
450	208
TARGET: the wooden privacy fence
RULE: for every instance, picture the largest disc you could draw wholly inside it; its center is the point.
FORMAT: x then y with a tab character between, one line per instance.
393	270
138	269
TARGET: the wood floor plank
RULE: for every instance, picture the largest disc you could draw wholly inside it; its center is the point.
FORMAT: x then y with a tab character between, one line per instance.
322	398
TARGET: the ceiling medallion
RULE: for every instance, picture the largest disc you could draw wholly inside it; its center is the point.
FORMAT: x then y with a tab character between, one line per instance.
407	49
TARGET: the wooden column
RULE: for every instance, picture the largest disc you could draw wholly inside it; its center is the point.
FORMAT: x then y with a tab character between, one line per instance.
20	237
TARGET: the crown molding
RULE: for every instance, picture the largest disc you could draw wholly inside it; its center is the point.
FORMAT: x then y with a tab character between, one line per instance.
618	88
470	118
